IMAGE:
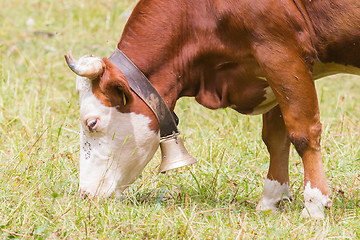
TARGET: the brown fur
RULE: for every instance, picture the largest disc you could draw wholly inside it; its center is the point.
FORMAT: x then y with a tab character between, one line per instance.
109	89
219	51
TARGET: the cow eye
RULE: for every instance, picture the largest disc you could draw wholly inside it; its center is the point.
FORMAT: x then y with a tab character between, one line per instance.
92	124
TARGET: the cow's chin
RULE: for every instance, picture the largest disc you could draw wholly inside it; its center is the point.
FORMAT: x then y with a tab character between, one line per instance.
106	182
111	161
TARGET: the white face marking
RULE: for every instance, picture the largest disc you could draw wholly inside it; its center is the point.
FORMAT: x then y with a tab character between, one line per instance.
315	202
273	193
114	153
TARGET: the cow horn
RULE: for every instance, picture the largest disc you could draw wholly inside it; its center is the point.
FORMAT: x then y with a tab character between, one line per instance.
88	66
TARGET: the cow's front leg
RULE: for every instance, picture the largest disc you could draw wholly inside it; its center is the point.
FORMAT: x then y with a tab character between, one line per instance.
275	136
290	78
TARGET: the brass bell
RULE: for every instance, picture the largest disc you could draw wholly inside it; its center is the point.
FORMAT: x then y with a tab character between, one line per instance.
174	154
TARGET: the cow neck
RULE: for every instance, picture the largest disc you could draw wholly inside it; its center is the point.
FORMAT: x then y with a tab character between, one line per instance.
143	88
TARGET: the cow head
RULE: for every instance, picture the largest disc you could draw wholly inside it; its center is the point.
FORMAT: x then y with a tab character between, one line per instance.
118	132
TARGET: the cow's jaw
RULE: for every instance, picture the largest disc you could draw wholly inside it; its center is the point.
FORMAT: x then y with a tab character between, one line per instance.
114	154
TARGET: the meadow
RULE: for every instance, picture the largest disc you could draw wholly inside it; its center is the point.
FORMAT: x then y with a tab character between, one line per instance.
215	199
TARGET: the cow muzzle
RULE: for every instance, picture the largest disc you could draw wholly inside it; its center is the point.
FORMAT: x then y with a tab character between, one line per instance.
174	154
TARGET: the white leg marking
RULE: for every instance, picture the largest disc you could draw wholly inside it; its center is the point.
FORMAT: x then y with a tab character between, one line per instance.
273	193
315	202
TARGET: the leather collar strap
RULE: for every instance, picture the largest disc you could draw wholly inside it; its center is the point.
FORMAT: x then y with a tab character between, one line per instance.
141	85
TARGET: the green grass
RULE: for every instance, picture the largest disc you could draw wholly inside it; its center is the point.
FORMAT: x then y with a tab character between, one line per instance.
39	147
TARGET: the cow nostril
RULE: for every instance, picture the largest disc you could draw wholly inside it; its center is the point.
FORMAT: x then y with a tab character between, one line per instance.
87	195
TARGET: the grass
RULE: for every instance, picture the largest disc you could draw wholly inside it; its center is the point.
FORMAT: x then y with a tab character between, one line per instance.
39	147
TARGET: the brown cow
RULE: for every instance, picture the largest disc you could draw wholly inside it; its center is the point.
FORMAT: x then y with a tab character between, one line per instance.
257	57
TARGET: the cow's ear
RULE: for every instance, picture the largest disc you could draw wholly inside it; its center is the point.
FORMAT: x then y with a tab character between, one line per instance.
115	86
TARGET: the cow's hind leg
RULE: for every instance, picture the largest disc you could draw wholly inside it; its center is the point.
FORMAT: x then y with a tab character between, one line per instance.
275	136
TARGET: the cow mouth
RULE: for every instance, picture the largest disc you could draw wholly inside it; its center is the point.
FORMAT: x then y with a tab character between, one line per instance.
83	194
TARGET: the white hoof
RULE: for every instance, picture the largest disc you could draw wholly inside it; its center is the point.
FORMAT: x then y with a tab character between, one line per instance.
315	203
273	193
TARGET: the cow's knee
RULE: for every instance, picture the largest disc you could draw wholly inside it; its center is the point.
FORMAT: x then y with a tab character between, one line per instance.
306	137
